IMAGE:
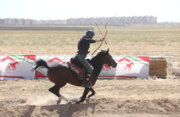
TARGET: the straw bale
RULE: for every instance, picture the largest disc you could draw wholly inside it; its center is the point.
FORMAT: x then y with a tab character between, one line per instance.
158	66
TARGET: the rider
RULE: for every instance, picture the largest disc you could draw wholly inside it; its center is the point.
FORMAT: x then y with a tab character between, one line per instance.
83	47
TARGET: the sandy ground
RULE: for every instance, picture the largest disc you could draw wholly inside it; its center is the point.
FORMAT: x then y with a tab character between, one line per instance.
114	98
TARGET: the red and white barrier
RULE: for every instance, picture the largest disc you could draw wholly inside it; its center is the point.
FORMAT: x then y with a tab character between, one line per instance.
20	66
17	66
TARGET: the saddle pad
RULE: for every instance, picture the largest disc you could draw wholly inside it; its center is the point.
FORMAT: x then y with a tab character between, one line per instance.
76	68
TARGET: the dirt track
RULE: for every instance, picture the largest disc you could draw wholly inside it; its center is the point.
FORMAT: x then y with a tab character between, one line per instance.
114	98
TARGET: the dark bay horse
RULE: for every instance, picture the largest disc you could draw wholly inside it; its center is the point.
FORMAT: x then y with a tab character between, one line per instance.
60	74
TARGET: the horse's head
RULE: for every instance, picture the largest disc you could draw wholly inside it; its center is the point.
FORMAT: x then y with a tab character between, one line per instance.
107	58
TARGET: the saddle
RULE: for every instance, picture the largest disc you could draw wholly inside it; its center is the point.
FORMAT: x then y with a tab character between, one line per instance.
77	68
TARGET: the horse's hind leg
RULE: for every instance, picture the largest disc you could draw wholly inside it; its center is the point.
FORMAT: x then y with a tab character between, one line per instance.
55	90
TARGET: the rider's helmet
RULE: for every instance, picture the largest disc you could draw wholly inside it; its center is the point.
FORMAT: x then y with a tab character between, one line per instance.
90	33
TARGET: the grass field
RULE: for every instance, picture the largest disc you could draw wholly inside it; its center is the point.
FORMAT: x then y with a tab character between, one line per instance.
128	40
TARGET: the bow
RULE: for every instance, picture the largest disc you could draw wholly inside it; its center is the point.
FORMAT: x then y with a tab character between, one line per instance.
103	37
101	31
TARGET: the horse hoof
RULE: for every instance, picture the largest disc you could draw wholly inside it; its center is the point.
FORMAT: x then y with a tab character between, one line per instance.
87	100
78	102
70	102
59	101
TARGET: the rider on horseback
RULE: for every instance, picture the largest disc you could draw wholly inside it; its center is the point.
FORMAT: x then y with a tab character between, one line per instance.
83	47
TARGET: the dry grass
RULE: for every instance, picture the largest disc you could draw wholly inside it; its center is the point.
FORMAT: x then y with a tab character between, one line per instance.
128	40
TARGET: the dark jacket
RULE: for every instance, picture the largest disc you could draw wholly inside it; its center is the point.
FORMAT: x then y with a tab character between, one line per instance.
84	45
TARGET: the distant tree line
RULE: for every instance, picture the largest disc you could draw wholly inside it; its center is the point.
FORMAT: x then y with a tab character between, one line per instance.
113	20
15	21
83	21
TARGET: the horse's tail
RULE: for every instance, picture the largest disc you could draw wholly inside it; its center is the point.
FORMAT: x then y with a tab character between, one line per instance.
41	63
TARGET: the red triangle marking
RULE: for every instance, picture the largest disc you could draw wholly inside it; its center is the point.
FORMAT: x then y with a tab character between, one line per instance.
124	59
39	74
55	58
145	58
7	58
31	57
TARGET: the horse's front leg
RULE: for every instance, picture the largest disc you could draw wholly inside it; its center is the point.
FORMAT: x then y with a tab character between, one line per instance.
92	92
86	91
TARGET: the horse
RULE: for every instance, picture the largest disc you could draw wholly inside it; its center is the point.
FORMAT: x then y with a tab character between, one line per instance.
60	75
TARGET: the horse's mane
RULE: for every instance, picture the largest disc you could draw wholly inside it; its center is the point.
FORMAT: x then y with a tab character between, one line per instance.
99	55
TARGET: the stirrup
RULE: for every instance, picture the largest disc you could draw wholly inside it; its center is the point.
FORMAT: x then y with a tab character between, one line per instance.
88	76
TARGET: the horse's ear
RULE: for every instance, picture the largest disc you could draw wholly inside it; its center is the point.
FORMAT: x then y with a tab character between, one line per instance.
108	50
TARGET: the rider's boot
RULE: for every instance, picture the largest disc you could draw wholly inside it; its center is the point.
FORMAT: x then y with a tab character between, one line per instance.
87	83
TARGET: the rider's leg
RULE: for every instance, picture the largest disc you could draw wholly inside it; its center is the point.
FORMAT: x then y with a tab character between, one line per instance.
87	83
89	69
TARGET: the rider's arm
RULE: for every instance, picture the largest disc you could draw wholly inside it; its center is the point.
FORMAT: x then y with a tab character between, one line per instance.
100	40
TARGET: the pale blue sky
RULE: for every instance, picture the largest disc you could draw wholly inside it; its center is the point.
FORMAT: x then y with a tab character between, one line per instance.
164	10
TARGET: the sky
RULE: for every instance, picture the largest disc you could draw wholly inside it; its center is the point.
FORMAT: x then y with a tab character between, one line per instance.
164	10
